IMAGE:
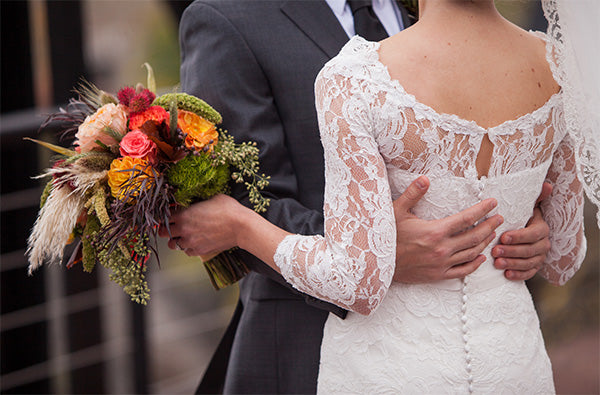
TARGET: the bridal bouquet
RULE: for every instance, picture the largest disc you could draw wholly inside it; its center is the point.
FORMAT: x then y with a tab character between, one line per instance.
135	157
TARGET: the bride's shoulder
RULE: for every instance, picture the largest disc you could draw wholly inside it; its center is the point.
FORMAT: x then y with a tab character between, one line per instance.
544	46
538	48
354	59
358	47
532	43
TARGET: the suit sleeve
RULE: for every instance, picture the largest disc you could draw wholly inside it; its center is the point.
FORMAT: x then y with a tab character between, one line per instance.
219	66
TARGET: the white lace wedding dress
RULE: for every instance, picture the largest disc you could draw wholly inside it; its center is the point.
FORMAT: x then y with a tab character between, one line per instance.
476	335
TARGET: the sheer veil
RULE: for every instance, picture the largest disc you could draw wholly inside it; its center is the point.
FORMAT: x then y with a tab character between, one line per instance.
574	53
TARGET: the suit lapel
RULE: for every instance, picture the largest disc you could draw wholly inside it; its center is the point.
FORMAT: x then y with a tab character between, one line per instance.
318	22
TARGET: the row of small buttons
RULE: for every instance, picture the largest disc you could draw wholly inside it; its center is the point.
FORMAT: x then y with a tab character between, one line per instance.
465	331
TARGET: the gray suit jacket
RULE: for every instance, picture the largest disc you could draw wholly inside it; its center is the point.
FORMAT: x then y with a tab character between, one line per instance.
256	63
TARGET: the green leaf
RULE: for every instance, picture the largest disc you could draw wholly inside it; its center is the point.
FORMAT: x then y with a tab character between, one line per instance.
56	148
112	133
151	79
173	119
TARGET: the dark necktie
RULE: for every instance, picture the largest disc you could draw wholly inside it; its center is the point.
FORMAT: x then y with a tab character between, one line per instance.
366	23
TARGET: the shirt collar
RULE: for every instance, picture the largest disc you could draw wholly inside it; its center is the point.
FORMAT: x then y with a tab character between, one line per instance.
337	6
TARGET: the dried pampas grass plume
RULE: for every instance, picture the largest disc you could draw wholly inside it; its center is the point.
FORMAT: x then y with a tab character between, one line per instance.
53	226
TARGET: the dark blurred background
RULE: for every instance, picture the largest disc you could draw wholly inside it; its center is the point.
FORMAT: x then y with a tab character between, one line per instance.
65	331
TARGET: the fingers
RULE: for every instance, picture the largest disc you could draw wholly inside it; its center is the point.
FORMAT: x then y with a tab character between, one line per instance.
477	235
460	271
415	191
470	254
520	275
523	251
163	231
546	191
534	263
468	217
530	259
175	244
166	229
536	230
521	257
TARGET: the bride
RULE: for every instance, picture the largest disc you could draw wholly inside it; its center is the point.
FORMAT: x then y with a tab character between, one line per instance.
468	102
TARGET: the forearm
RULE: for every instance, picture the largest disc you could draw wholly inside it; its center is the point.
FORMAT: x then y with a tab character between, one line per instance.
258	236
286	212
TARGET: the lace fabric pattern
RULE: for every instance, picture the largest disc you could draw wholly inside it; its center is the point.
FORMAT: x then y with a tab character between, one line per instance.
480	334
573	55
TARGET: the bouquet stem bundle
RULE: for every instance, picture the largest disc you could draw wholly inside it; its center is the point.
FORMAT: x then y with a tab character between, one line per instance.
225	269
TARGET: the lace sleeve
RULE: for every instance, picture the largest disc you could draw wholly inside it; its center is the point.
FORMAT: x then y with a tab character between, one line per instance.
563	212
353	264
574	57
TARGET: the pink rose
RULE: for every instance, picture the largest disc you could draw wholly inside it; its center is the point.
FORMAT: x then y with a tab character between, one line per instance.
137	145
93	128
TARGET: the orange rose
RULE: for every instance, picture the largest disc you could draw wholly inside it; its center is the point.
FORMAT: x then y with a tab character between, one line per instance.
201	135
127	174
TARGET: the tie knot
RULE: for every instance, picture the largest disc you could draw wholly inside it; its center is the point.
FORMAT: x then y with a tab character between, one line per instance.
366	23
358	4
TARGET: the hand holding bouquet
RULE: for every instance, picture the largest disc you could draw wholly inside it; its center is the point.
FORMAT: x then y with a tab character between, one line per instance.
135	158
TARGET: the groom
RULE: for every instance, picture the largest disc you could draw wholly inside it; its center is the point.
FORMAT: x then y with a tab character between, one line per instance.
256	62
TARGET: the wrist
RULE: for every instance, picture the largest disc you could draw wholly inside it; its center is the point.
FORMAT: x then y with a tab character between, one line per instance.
241	225
256	235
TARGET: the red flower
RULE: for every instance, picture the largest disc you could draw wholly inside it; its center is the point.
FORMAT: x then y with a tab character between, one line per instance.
136	101
125	95
154	113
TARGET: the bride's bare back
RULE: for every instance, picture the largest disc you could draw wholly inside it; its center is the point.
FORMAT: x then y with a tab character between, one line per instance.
464	58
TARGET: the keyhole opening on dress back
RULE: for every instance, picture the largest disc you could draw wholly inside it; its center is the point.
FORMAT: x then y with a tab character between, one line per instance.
484	157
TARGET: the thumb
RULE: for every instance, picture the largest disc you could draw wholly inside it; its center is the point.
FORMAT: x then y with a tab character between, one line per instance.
415	191
546	191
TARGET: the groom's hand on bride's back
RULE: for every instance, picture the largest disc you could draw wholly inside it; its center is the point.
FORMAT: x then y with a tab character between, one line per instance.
451	247
521	253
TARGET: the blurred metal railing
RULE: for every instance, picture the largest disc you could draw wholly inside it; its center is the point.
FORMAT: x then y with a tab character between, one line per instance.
54	323
78	331
64	331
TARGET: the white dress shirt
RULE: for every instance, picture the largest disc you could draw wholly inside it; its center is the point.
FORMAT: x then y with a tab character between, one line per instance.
386	10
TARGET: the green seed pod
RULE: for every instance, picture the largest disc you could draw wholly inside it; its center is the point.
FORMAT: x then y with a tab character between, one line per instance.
46	193
189	103
92	226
